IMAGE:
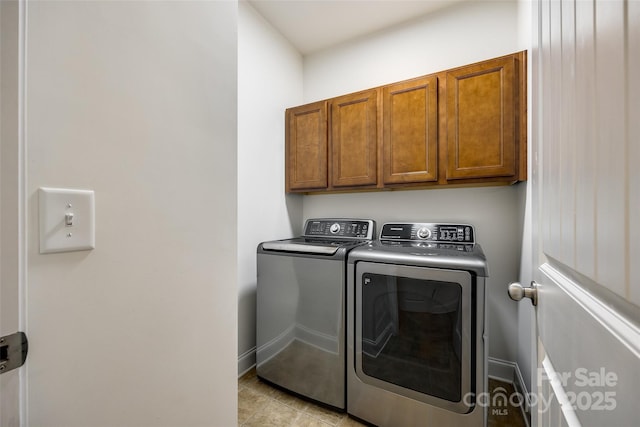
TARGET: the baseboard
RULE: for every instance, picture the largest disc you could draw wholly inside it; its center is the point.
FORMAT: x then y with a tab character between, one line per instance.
509	372
499	369
246	361
502	370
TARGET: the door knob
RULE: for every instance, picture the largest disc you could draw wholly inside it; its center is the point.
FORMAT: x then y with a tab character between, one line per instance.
517	292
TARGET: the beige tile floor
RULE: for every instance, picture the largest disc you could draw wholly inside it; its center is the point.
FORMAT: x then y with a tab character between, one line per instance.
261	405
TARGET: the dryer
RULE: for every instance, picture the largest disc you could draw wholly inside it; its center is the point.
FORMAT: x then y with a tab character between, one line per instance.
416	327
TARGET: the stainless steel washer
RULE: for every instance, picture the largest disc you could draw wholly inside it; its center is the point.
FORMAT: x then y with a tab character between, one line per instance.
416	329
301	308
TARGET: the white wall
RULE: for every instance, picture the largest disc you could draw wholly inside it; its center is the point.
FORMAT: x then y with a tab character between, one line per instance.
459	35
463	33
137	101
269	80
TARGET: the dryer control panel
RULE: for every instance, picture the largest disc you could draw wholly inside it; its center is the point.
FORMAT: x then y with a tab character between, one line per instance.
426	231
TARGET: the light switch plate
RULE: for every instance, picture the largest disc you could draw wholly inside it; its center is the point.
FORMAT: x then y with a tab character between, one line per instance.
67	220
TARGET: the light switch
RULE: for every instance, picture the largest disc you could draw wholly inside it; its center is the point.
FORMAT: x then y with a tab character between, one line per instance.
67	220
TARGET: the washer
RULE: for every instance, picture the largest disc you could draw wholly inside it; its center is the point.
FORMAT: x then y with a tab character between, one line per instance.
301	308
416	328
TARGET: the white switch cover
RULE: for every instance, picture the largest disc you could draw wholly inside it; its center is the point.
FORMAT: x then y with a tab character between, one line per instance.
67	220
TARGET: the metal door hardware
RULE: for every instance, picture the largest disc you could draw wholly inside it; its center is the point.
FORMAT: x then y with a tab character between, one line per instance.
517	292
13	351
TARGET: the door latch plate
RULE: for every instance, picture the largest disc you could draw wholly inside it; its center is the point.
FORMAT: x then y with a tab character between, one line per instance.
13	351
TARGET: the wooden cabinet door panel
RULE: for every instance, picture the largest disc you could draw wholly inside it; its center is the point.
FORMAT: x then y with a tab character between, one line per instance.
481	128
354	136
410	135
306	142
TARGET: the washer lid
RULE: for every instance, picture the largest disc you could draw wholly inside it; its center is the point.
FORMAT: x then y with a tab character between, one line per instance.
302	246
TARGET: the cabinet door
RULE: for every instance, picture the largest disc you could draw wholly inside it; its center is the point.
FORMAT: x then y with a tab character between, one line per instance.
354	139
481	120
306	147
410	136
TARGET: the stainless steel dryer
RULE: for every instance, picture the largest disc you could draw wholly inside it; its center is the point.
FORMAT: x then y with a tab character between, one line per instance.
301	308
416	328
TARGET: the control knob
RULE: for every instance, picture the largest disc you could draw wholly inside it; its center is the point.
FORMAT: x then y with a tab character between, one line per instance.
423	233
335	228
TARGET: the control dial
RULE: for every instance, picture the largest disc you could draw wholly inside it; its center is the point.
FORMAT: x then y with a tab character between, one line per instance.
335	228
423	233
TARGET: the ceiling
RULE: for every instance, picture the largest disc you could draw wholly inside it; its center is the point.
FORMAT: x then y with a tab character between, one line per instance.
313	25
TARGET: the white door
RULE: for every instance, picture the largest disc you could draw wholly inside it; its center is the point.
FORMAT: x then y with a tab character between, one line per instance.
586	200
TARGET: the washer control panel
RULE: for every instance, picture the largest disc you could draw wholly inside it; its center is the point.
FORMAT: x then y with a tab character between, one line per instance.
340	228
431	232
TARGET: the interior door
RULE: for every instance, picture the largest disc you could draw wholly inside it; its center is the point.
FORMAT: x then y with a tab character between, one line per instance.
585	199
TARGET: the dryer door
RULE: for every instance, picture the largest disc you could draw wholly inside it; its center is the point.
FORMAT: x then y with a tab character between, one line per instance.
414	334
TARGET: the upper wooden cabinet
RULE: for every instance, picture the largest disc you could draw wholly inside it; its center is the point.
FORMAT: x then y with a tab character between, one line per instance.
354	139
481	120
333	144
410	131
464	126
306	147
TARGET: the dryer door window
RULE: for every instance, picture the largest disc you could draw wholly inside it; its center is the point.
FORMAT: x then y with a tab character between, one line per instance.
413	332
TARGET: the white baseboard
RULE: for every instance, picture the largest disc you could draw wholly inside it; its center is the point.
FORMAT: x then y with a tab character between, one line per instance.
246	361
509	372
499	369
502	370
